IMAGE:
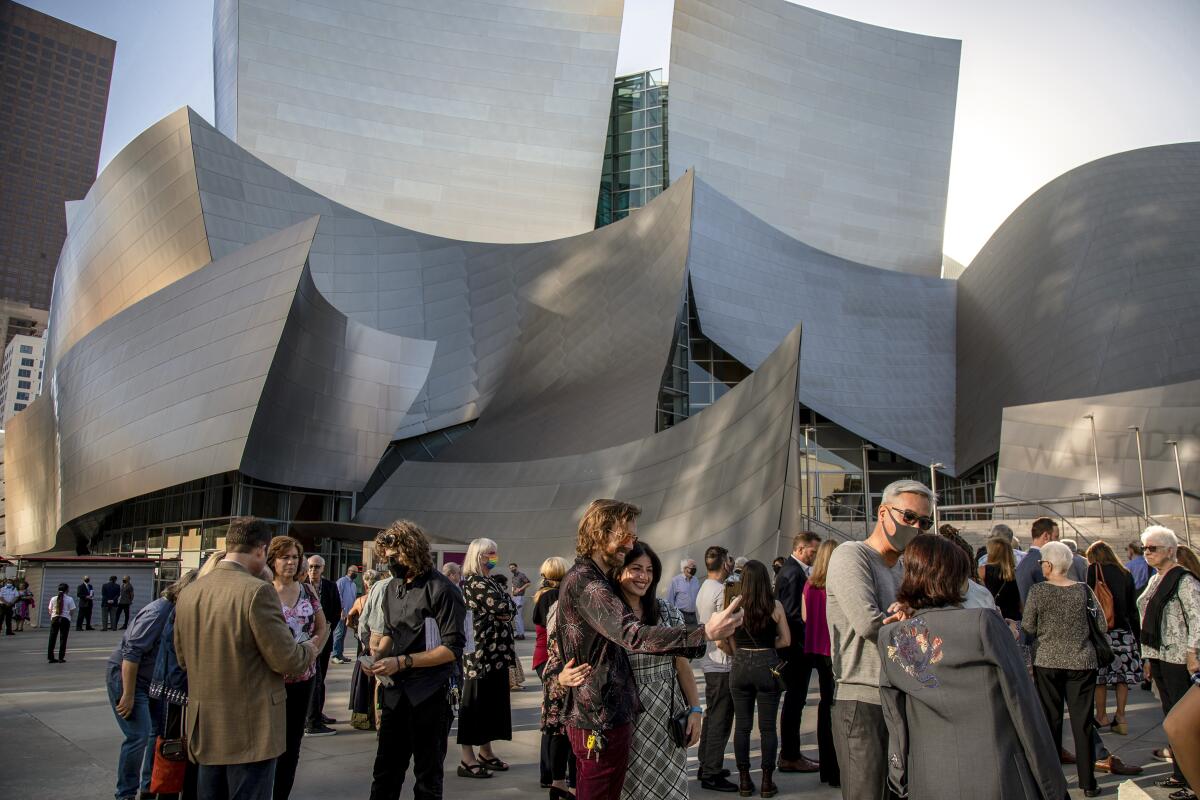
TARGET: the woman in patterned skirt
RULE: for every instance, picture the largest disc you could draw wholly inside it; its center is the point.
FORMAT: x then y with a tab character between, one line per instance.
1105	568
485	712
665	684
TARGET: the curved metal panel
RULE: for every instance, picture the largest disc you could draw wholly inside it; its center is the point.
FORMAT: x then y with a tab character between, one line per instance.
481	120
239	366
878	345
139	229
836	132
724	477
1092	286
1046	448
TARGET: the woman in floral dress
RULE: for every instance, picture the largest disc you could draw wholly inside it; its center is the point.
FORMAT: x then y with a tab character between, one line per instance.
485	714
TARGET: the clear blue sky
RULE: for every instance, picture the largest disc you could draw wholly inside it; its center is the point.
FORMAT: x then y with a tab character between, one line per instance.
1044	86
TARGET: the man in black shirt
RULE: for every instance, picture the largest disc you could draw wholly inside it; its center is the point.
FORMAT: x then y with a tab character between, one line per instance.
416	629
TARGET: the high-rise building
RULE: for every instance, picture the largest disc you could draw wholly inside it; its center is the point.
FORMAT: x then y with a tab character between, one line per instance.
21	318
21	377
54	82
635	153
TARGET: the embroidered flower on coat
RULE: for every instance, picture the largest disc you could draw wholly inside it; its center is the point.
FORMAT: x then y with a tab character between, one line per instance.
914	649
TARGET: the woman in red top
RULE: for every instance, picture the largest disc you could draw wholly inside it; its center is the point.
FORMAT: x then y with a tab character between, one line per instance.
816	648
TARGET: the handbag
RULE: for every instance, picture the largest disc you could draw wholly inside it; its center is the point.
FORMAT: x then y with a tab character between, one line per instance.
678	721
1104	596
170	765
1104	653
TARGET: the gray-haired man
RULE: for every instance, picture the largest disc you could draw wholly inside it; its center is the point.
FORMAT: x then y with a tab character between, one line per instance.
861	589
683	590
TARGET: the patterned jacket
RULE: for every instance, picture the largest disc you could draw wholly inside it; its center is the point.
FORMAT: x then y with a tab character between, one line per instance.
596	627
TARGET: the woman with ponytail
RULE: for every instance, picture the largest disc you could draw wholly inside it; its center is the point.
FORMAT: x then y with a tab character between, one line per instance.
61	608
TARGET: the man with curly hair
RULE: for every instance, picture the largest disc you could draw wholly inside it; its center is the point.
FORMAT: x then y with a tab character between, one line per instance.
413	621
598	629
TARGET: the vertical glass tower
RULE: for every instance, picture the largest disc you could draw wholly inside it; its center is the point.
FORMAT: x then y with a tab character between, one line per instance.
635	155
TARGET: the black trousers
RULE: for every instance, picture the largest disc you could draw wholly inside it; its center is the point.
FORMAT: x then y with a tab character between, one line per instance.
417	732
796	676
316	706
556	761
1077	688
59	628
718	724
122	612
830	772
752	684
296	711
6	616
860	736
1172	682
84	617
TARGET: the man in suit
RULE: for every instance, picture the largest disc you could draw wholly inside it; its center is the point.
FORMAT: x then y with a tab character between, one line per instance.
331	603
110	593
231	638
85	593
1029	569
789	590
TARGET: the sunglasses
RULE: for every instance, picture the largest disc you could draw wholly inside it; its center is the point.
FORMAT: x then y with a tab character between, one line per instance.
913	519
1153	548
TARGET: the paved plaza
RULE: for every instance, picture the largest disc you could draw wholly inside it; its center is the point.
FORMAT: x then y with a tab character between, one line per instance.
58	738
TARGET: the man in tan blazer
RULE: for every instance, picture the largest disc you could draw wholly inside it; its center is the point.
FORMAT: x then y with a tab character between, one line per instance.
231	638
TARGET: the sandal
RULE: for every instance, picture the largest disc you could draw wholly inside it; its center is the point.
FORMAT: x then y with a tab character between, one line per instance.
466	770
1120	727
1171	783
494	764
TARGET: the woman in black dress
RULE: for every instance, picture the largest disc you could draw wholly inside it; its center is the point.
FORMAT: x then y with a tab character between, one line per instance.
485	714
999	575
1104	568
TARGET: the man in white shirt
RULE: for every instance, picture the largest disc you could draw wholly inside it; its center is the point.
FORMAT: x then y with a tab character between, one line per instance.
718	716
8	601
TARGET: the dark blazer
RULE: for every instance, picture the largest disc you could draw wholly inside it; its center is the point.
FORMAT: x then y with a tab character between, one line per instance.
84	592
962	715
1120	583
331	602
789	591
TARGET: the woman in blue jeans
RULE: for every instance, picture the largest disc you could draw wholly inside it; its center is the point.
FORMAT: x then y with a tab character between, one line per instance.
130	670
756	675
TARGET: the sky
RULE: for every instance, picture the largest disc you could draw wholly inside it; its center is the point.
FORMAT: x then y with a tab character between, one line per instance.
1043	86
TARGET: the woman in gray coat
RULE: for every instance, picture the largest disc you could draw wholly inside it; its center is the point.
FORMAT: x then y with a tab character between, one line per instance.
962	715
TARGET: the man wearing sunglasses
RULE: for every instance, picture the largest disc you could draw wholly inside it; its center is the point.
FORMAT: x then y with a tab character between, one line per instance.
861	598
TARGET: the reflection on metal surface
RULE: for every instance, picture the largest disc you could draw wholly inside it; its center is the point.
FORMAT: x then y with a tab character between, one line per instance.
1090	287
836	132
729	476
482	120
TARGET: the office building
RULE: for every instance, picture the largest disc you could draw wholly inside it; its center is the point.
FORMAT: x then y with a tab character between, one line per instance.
21	376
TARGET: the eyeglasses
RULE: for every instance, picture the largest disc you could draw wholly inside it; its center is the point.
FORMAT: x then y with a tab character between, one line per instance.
1153	548
912	518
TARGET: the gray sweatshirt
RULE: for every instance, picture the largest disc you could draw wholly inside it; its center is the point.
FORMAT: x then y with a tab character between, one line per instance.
859	588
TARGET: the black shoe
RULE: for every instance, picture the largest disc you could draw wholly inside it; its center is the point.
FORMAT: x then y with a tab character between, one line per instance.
90	628
52	661
319	730
466	770
718	784
328	720
1093	792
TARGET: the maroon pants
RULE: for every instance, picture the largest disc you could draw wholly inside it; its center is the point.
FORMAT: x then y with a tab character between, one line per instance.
601	776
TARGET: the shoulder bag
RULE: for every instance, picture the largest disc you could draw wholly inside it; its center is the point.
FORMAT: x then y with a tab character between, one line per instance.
677	723
1104	652
1104	597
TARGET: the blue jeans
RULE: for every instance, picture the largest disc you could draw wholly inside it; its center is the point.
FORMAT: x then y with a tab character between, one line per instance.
339	639
137	751
236	781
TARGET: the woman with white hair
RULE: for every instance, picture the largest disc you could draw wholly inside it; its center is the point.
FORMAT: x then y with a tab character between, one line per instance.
1057	613
1170	612
485	714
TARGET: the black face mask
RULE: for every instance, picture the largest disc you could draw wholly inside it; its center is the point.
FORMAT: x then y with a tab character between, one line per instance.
397	569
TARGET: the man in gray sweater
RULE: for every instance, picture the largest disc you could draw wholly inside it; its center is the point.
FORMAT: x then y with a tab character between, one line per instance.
861	588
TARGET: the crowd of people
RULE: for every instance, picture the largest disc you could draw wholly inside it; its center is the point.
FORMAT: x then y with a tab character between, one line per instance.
942	671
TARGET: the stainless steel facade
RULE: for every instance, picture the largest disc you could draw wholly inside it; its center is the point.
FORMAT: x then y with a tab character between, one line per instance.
1046	448
476	119
1092	286
725	477
836	132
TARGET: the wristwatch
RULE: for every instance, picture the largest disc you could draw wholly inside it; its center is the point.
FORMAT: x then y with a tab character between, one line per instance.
407	661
